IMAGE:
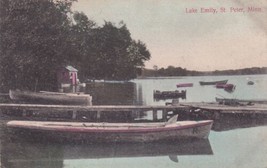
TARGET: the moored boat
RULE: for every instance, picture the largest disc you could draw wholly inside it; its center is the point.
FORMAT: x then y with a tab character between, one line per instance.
169	94
213	82
250	83
184	85
113	132
227	87
50	97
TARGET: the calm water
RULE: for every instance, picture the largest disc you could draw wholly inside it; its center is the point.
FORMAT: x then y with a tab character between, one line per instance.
233	142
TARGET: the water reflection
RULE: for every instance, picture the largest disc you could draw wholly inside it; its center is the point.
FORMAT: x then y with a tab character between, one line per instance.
230	122
31	155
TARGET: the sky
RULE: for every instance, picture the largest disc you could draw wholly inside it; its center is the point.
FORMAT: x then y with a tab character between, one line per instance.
195	41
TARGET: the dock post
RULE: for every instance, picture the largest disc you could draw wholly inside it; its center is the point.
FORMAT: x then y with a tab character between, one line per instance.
24	113
217	115
155	115
164	114
98	115
74	114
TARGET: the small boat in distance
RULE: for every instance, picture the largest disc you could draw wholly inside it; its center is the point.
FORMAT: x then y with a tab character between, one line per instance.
169	94
113	132
50	98
213	82
227	87
250	83
184	85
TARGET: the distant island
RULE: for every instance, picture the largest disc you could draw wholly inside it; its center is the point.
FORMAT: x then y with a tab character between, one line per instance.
178	71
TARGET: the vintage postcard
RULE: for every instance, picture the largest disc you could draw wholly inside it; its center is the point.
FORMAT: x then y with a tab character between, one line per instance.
133	83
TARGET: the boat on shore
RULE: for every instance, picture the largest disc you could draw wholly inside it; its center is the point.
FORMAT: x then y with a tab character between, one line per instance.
213	82
50	97
169	94
112	132
184	85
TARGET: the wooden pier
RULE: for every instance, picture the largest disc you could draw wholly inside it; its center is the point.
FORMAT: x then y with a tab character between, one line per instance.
213	108
91	109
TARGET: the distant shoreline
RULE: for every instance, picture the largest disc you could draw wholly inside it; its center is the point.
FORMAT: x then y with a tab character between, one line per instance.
180	72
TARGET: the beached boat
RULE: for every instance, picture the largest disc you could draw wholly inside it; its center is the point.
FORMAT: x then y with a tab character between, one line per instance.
213	82
184	85
113	132
237	101
50	97
169	94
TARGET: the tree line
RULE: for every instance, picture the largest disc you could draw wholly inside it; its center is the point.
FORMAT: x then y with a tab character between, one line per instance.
39	36
178	71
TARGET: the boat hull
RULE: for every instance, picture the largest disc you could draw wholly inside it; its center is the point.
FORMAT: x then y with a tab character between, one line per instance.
169	94
117	132
213	82
184	85
50	98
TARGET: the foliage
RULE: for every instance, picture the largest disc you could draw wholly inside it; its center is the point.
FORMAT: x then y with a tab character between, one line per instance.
38	36
178	71
33	42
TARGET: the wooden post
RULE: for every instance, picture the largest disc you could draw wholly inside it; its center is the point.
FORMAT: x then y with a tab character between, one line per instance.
74	114
155	115
98	115
164	114
217	115
24	113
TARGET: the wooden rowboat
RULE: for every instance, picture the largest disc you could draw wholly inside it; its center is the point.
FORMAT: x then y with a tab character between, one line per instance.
213	82
184	85
114	132
50	98
169	94
226	87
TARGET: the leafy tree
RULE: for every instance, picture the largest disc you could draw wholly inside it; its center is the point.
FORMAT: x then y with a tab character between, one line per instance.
82	32
117	55
38	36
34	42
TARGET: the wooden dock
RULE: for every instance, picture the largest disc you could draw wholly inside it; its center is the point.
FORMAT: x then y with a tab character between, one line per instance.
90	109
214	108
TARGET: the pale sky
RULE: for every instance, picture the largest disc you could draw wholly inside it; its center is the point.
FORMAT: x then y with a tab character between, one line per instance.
195	41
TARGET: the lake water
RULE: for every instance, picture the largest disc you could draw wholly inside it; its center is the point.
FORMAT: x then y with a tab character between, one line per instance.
233	143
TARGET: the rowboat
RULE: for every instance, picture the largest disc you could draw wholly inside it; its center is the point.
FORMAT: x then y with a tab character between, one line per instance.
250	83
50	97
213	82
169	94
227	87
113	132
184	85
